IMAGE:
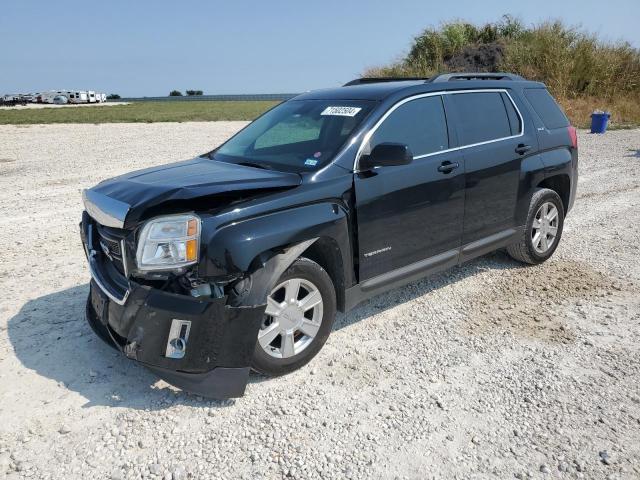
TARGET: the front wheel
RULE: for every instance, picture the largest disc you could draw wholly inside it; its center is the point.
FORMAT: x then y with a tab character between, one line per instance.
543	229
301	309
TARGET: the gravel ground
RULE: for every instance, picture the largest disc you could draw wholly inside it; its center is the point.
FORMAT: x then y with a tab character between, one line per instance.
491	370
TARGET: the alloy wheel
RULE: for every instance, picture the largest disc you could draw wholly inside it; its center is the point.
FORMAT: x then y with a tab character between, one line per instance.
545	228
292	318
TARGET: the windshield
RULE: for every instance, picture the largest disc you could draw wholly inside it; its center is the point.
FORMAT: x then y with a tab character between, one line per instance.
297	136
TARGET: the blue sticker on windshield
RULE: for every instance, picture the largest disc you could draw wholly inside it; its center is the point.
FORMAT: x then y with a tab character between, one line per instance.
311	162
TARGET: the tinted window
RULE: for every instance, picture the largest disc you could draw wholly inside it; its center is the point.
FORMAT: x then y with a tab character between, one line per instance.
514	118
420	124
481	117
546	108
298	135
297	128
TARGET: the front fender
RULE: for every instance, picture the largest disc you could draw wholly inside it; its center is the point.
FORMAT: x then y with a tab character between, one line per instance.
232	248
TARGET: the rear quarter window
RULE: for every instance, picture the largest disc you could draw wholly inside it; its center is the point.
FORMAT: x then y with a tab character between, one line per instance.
514	118
482	117
546	108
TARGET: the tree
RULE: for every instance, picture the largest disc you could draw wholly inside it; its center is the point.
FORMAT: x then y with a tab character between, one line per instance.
113	96
191	93
175	93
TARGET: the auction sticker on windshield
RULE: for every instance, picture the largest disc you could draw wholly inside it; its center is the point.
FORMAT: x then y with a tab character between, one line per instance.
341	111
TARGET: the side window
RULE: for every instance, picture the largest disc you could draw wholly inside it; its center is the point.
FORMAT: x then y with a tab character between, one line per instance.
514	118
421	124
481	117
546	108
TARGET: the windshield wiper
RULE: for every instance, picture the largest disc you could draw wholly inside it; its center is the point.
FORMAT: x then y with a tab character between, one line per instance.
254	165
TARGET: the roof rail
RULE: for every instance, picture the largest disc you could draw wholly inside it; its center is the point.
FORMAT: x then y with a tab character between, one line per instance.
449	77
366	80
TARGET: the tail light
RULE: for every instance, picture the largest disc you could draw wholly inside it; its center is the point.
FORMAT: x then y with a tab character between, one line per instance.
573	134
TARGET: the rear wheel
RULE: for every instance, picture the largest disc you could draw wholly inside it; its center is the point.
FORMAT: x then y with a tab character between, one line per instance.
301	309
543	229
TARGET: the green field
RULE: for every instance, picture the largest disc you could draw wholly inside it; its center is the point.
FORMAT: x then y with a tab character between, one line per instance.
145	112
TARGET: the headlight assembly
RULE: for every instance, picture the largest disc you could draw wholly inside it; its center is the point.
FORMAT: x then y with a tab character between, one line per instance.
168	243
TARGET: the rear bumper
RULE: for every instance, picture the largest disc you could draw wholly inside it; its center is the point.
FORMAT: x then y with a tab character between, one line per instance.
574	179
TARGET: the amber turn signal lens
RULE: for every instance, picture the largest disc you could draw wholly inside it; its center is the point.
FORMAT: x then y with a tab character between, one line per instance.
192	250
192	227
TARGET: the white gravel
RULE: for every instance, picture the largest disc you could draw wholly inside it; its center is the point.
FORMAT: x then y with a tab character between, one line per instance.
489	370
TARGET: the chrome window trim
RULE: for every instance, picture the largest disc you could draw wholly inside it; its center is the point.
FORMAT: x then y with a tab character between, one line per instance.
373	129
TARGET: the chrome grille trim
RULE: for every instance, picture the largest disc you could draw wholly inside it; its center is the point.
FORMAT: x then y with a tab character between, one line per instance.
105	210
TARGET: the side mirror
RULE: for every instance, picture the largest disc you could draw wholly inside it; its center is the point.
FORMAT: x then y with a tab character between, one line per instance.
386	155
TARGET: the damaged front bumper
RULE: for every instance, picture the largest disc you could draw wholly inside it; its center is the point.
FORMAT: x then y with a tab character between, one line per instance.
201	345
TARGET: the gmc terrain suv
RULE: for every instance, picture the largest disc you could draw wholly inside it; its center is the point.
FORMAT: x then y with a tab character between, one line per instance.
239	259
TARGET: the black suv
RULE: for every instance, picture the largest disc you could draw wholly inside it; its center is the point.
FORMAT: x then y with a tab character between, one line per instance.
240	258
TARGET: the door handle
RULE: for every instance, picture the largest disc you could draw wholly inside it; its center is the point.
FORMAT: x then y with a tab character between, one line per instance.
522	149
448	167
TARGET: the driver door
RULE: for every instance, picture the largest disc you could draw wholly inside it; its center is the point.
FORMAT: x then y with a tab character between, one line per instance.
410	217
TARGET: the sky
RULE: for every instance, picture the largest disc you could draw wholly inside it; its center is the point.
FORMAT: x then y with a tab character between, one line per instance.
148	48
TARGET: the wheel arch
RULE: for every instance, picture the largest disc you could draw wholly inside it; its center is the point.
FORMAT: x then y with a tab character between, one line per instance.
325	251
561	184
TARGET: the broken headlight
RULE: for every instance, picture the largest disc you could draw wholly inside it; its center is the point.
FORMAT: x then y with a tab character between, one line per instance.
170	242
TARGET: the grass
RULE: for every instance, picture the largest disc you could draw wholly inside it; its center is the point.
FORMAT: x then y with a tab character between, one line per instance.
140	112
581	70
625	112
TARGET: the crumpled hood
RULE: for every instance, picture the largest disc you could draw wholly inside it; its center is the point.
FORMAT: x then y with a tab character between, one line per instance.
120	201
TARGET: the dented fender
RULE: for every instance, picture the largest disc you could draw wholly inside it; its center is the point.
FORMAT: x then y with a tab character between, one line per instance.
263	279
232	249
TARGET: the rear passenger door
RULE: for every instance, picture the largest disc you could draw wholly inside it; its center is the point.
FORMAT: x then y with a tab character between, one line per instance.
491	133
411	212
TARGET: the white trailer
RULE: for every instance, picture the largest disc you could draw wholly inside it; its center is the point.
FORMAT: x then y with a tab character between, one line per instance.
91	96
78	96
47	97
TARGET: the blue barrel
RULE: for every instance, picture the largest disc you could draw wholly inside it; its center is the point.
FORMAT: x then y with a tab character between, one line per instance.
599	122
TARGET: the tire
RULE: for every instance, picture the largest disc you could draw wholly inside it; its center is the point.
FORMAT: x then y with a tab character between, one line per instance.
524	250
276	357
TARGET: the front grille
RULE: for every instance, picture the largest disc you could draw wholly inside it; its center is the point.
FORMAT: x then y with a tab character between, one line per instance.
112	248
109	240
